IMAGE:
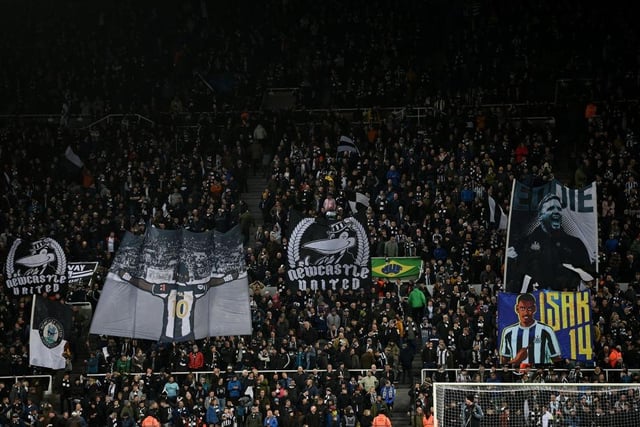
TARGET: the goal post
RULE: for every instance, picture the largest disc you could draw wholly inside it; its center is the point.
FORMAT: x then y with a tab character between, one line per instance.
539	404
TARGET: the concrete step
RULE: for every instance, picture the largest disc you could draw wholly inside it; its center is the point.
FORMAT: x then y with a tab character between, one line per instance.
253	196
399	415
400	419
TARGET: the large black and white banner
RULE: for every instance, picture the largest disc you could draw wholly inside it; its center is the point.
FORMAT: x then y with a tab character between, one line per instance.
328	254
36	266
176	285
49	332
552	237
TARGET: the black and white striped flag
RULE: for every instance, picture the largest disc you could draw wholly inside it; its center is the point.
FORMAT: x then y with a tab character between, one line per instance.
357	201
346	144
497	215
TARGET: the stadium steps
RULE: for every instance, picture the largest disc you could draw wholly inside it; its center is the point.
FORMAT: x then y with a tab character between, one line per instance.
255	186
399	415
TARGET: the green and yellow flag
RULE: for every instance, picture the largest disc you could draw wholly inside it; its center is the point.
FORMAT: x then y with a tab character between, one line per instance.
400	267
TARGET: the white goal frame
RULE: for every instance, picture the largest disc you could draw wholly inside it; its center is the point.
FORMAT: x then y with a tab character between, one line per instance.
487	392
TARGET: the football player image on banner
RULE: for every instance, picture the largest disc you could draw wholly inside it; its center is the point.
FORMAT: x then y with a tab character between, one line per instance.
328	254
552	238
544	327
176	285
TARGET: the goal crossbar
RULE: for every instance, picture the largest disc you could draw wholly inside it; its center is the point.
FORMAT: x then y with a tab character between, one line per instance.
538	404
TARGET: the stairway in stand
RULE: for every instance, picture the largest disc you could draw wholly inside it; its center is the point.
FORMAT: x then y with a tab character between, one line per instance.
399	415
402	410
255	185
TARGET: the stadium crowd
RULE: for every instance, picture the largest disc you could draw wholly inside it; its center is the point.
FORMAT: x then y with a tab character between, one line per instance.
427	181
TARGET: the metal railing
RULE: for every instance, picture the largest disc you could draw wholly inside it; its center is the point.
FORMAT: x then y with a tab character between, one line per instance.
197	374
138	117
454	372
20	378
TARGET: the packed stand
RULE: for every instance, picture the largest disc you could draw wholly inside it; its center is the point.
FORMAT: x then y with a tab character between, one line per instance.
426	182
145	57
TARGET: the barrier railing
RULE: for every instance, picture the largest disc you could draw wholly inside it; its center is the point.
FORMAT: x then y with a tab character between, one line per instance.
197	374
139	117
424	372
48	386
537	111
586	372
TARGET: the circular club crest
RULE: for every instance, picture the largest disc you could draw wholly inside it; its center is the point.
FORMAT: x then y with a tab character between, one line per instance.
51	332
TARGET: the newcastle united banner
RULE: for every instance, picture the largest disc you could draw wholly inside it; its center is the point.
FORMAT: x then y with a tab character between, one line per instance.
543	327
36	266
552	238
328	254
176	285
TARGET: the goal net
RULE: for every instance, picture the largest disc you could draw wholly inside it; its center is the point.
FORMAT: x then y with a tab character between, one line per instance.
537	404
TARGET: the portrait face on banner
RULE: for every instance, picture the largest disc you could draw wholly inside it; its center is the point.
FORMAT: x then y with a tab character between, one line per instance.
544	327
552	239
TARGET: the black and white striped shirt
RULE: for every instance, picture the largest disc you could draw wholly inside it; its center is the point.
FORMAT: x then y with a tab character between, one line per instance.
539	339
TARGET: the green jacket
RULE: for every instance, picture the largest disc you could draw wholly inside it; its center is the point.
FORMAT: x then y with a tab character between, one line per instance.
417	298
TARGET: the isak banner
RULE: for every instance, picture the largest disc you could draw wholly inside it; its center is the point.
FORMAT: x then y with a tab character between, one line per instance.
552	238
396	268
328	254
542	327
175	285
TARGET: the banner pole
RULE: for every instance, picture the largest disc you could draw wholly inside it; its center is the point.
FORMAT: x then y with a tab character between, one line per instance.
504	273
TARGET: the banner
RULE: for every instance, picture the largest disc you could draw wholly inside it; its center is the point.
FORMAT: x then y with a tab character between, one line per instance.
81	273
553	237
328	254
50	328
34	267
396	268
545	326
175	285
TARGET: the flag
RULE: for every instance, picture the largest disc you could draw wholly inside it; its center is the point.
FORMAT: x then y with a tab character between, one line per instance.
497	216
397	267
50	328
357	201
328	253
71	165
36	266
73	158
81	273
346	144
174	286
